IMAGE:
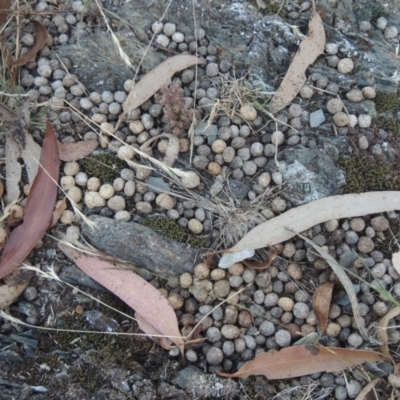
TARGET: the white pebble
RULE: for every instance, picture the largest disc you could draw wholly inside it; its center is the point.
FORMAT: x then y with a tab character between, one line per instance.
165	201
71	168
81	179
264	179
364	121
106	191
157	27
162	40
118	184
45	71
352	120
363	143
169	29
116	203
190	180
381	23
72	233
123	216
136	126
128	84
93	199
391	32
331	48
129	188
248	112
295	110
278	204
75	194
99	118
341	119
67	182
107	128
306	92
369	92
345	65
334	106
114	108
107	97
120	96
355	95
195	226
178	37
86	103
277	178
125	153
67	217
277	138
93	184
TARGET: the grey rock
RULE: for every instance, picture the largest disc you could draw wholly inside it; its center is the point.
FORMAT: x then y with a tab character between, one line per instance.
141	246
158	185
310	174
317	118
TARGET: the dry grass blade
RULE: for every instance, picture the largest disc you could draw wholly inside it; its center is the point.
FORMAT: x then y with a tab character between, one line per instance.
381	333
321	304
40	41
310	48
297	361
348	287
364	393
172	152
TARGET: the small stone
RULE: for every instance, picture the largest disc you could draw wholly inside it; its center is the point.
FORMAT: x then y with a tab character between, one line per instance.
306	92
212	70
143	207
331	48
333	329
353	388
283	338
365	26
277	138
345	66
190	180
176	301
365	244
162	40
381	23
391	32
331	225
230	331
214	169
363	143
221	288
341	119
93	199
357	224
185	280
218	146
107	128
334	106
295	110
301	310
380	223
116	203
136	126
248	112
368	92
214	356
165	201
355	95
195	226
278	204
267	328
75	194
157	27
106	191
169	29
264	179
286	303
317	118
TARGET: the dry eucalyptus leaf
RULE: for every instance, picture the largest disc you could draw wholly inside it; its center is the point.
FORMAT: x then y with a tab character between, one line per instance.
295	361
396	261
172	151
13	170
299	219
367	389
310	48
31	155
321	304
382	327
76	151
14	284
154	80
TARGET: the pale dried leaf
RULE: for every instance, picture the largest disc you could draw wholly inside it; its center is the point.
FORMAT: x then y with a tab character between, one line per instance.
154	80
364	393
153	333
297	361
299	219
14	284
347	285
381	333
396	261
31	155
310	48
321	304
76	151
13	170
144	298
172	151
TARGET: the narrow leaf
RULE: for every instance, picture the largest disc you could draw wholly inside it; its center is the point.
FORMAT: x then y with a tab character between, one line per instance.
76	151
40	41
13	170
310	48
144	298
154	80
299	219
14	284
297	361
38	209
30	155
321	304
381	333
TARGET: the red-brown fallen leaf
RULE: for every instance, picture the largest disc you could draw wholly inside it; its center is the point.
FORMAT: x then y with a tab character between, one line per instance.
38	209
143	297
40	41
321	304
297	361
76	151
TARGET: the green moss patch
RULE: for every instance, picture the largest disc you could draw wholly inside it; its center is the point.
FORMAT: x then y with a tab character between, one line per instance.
386	102
104	166
365	174
170	229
